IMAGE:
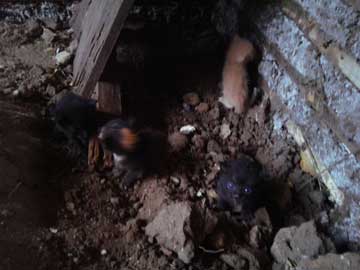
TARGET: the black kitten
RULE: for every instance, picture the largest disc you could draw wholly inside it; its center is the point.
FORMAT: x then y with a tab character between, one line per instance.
240	185
137	152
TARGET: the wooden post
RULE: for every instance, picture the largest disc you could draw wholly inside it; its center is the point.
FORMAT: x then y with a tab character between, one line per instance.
109	97
101	27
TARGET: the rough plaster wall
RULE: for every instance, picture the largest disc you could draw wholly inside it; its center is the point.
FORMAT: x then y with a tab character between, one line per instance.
294	68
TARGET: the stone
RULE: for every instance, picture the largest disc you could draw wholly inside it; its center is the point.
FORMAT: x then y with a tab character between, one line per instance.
202	107
297	243
52	23
188	129
225	131
50	90
48	36
243	259
346	261
168	230
178	141
34	29
63	58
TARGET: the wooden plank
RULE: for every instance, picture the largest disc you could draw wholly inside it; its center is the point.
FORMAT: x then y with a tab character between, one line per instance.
78	17
109	97
100	30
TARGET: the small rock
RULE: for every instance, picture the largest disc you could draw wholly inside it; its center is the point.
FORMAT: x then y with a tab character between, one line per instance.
70	206
200	193
188	129
178	141
168	229
73	47
198	141
346	261
53	230
211	193
175	180
16	93
52	23
225	131
63	58
50	90
213	146
262	217
114	200
296	243
214	114
48	36
7	91
191	192
202	107
191	99
103	252
34	29
233	261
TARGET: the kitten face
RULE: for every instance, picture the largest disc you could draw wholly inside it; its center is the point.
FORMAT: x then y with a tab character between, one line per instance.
239	185
118	138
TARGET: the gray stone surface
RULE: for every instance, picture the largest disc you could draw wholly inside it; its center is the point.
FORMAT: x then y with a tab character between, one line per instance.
291	42
338	167
338	20
343	98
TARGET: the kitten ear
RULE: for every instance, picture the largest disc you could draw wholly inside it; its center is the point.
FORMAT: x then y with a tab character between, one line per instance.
127	139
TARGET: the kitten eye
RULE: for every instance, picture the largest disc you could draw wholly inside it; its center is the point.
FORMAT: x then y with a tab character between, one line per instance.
230	186
247	190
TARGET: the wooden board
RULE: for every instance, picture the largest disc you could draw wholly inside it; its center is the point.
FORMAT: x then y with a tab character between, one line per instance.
109	97
101	27
76	21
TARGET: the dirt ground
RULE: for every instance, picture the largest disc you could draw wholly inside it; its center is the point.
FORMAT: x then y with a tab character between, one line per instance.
54	214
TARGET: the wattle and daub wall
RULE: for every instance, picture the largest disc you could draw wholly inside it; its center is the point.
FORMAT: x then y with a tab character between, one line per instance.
311	71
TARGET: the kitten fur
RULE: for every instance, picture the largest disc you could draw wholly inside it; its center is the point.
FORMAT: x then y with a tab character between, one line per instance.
235	77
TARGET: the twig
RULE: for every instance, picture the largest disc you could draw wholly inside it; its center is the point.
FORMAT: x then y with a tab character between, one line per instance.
14	190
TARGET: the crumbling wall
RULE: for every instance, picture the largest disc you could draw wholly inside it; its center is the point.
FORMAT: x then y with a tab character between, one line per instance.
311	70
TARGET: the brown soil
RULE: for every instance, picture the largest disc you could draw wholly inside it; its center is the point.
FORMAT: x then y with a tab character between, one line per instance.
56	215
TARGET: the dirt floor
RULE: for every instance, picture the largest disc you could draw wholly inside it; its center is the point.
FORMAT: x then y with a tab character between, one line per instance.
54	214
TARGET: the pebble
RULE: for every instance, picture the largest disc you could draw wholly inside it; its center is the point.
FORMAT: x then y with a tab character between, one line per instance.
191	99
114	200
7	91
50	90
175	180
199	194
188	129
16	93
214	114
178	141
34	29
63	58
51	23
53	230
202	107
103	252
225	131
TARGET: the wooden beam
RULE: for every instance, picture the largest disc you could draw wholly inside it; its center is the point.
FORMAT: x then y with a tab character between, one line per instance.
77	20
101	27
109	97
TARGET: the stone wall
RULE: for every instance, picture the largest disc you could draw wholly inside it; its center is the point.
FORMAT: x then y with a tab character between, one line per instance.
311	71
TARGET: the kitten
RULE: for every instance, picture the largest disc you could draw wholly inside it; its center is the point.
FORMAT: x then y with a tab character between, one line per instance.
235	77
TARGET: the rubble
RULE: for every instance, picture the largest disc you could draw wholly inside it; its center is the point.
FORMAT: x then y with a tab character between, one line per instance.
168	230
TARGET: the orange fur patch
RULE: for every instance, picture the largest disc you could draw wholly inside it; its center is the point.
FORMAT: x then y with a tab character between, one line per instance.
128	139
